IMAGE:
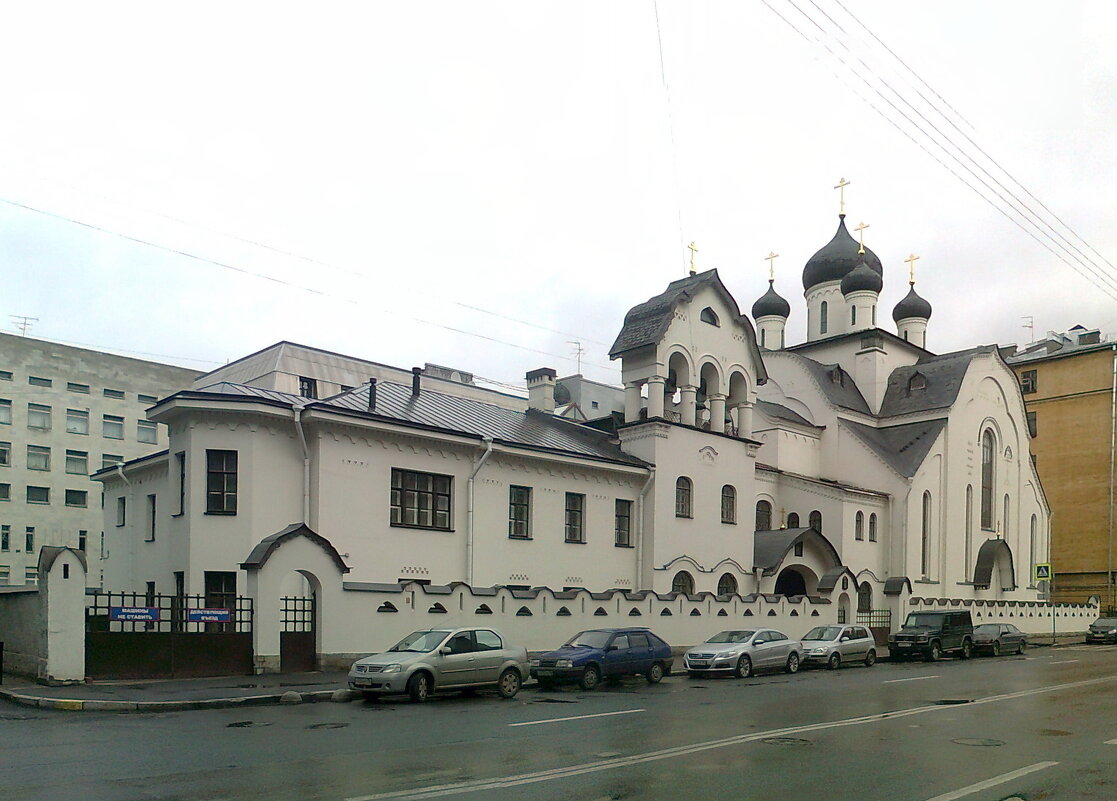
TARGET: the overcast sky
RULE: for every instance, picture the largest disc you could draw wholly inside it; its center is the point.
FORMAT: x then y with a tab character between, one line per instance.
475	184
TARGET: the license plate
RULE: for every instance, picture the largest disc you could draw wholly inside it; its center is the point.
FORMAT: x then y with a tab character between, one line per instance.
544	672
699	662
903	644
363	682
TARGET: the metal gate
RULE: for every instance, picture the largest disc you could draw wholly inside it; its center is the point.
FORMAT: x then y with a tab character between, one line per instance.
298	651
879	622
134	635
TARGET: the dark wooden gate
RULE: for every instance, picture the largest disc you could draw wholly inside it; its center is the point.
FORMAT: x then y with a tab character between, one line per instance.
298	649
879	622
132	635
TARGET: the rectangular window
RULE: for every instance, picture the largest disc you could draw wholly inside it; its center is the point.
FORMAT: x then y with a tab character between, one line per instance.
77	498
31	575
110	460
115	394
575	517
623	523
180	464
38	494
29	539
308	387
77	421
1028	382
5	492
5	575
146	431
77	463
221	482
38	382
121	511
5	412
151	518
149	400
38	457
83	539
5	375
421	500
5	538
5	454
1032	428
82	389
519	512
112	427
38	416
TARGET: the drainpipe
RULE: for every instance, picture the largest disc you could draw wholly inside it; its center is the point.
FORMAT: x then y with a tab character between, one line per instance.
120	470
306	463
1112	447
640	528
469	517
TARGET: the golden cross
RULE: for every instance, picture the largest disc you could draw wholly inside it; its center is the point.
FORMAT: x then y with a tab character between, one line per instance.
771	259
861	230
693	249
911	260
841	187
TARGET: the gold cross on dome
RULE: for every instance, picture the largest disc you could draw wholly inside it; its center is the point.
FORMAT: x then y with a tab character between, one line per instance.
693	249
861	230
841	187
771	259
911	260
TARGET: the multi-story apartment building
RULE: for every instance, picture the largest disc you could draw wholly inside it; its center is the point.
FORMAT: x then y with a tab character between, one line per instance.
66	412
1067	381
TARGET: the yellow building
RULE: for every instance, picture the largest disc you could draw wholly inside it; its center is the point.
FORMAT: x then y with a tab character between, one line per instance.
1068	385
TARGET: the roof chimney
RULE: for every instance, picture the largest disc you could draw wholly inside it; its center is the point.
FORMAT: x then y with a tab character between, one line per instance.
372	394
416	372
541	389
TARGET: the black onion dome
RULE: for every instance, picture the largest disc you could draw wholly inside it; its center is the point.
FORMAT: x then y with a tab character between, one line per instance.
771	303
862	279
840	256
912	306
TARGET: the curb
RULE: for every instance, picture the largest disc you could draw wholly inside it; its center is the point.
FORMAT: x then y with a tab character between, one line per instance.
91	705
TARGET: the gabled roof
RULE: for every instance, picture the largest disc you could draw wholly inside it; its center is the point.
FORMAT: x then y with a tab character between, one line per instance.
770	547
780	412
903	447
943	374
265	547
836	384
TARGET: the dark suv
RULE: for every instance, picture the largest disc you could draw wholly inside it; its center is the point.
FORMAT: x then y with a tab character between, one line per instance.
932	634
1104	629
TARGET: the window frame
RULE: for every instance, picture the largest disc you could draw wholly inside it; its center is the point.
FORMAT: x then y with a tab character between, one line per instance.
684	497
180	463
729	504
574	519
84	498
764	512
152	512
519	512
114	420
1029	382
5	412
227	492
41	454
40	410
622	533
79	416
75	456
45	494
147	426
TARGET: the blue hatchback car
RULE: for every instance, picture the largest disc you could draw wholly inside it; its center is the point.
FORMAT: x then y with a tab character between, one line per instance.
590	656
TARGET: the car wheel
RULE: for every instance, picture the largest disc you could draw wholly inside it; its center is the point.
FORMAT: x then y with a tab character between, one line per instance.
419	687
996	647
934	653
590	677
871	657
792	665
967	649
655	673
744	667
834	662
509	683
1020	646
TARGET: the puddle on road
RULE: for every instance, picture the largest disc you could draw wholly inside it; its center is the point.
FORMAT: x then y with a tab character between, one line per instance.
785	741
953	701
245	724
327	726
553	701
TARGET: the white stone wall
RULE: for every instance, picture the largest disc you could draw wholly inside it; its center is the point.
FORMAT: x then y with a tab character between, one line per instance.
1031	617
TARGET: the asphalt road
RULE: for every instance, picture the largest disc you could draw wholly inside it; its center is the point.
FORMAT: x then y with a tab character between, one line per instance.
1043	726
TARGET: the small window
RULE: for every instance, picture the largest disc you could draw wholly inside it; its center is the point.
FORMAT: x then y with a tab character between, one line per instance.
121	511
853	315
5	492
31	575
683	583
77	498
5	412
815	520
5	375
1032	427
519	512
798	550
308	387
917	383
81	389
115	394
180	473
38	382
708	315
77	463
1028	382
38	457
38	495
38	416
859	526
683	497
150	518
575	517
149	400
146	431
221	482
729	504
83	539
5	538
110	460
822	315
873	527
623	523
727	584
5	454
77	421
112	426
29	539
763	516
793	520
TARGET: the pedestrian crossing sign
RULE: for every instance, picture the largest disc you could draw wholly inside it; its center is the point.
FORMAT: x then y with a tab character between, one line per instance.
1043	572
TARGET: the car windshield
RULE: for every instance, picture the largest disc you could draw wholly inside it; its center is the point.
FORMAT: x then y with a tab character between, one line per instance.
731	636
420	641
985	628
823	633
1106	621
923	620
588	639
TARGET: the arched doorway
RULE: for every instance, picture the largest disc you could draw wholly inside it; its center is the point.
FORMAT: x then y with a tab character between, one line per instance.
298	622
865	597
790	582
843	608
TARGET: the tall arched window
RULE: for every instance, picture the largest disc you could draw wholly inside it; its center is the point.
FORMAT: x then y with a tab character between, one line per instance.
683	500
763	337
793	520
822	318
683	582
859	526
1004	520
873	527
969	530
727	584
708	315
853	315
763	516
865	597
815	520
1033	531
988	453
728	504
925	551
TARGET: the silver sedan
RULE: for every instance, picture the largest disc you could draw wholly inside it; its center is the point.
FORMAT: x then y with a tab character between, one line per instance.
741	652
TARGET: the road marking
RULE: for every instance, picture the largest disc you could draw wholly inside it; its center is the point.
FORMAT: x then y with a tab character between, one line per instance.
503	782
1111	742
1064	661
993	782
578	717
913	678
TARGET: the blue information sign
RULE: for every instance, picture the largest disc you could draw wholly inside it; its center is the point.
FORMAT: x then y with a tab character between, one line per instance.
209	615
142	613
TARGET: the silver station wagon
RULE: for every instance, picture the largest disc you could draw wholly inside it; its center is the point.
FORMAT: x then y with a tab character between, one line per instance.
442	659
741	652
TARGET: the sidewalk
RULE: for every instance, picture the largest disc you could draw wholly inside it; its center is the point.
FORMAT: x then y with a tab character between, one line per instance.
174	695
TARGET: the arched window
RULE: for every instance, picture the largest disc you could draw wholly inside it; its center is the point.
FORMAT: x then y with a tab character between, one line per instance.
815	520
873	527
969	530
1004	520
853	315
988	453
762	337
917	383
708	315
905	335
727	584
683	491
873	308
793	520
865	597
925	551
763	516
1033	530
822	318
859	526
728	504
683	582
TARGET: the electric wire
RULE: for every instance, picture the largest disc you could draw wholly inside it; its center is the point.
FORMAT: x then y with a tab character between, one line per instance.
671	134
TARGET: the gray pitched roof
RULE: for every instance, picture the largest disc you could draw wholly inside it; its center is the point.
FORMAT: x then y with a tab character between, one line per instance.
943	374
770	547
903	447
837	385
780	412
248	391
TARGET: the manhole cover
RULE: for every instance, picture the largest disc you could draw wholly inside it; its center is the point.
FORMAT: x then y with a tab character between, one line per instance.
245	724
785	741
978	741
951	701
327	725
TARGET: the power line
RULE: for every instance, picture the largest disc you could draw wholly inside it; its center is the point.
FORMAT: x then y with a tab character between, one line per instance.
670	132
